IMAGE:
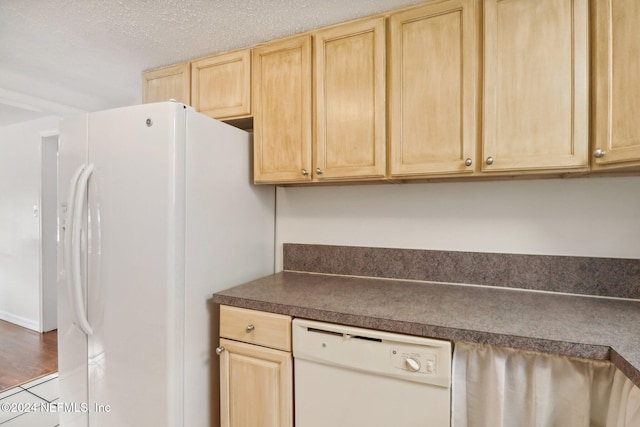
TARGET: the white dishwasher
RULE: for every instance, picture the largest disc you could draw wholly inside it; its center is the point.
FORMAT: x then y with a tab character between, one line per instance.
351	377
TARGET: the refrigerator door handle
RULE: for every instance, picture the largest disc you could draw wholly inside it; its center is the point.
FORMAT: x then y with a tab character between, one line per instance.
66	252
76	282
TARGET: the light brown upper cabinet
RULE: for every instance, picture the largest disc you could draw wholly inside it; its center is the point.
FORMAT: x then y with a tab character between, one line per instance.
616	84
535	114
221	85
282	111
349	138
450	89
167	83
433	105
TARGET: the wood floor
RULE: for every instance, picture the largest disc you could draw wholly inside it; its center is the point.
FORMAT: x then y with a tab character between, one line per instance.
25	354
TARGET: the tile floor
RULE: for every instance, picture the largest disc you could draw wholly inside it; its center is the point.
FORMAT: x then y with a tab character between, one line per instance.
32	397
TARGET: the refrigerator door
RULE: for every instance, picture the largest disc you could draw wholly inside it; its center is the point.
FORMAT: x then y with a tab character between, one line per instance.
136	264
229	240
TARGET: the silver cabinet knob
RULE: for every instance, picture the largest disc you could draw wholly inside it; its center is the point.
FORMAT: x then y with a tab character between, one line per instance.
219	350
599	153
412	364
305	172
489	161
318	171
468	162
249	328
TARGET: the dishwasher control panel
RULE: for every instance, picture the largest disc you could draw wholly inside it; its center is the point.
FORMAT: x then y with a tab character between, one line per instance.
407	357
411	361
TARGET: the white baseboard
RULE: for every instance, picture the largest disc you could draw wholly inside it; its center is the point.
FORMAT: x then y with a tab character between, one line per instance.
20	321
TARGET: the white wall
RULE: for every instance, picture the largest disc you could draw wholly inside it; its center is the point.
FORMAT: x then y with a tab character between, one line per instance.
20	181
597	217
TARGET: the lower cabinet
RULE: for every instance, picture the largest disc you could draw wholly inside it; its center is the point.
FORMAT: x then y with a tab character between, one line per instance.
256	369
256	381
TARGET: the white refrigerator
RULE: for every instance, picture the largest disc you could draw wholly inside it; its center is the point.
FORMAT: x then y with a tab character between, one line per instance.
156	213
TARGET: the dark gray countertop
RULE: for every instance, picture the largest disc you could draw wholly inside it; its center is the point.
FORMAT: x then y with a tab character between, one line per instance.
572	325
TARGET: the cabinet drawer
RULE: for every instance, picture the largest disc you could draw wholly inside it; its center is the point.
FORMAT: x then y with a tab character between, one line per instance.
256	327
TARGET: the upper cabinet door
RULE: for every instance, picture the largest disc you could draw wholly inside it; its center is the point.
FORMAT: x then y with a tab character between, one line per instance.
434	54
282	111
221	85
350	140
617	83
167	83
535	85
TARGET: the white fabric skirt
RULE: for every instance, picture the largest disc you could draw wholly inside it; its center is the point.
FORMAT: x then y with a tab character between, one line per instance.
501	387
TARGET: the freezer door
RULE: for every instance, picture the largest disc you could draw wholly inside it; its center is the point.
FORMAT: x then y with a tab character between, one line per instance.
136	263
72	342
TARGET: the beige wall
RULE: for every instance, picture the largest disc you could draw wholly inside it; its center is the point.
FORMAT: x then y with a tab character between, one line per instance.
597	217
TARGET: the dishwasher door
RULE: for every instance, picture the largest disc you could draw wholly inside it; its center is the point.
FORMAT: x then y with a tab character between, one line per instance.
351	377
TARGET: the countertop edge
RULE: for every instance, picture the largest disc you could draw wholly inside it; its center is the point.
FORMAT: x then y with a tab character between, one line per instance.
568	325
632	372
581	350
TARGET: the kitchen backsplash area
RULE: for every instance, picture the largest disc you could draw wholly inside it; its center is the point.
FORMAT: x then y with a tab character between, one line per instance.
606	277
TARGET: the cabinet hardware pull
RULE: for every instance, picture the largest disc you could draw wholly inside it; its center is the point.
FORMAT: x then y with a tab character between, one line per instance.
318	171
599	153
468	162
305	172
219	350
489	161
250	328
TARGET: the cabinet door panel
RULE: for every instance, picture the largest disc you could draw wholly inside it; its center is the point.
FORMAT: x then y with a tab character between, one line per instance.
221	85
256	386
350	100
282	111
536	86
167	83
617	82
433	89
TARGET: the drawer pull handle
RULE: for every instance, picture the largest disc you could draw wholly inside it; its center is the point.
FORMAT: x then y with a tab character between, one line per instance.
250	328
219	350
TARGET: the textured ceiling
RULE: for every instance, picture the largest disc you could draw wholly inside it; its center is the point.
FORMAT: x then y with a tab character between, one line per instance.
65	56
